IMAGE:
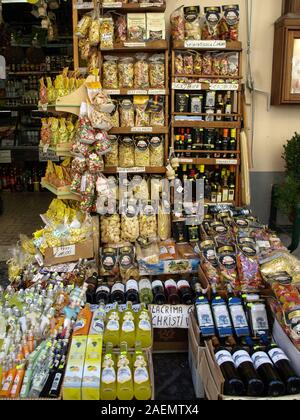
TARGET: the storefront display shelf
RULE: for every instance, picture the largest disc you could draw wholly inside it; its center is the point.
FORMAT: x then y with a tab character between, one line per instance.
135	7
63	193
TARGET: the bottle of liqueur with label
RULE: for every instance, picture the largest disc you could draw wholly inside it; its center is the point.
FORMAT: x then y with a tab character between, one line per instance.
203	310
145	291
141	376
285	370
228	106
132	292
118	293
238	316
234	385
185	292
219	108
112	327
125	390
244	364
144	327
172	292
221	315
103	293
108	375
98	321
92	284
58	379
274	386
128	332
158	290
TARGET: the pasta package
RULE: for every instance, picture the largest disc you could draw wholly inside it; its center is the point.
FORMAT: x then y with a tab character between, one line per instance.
164	224
126	153
126	72
130	224
148	222
136	27
157	71
83	26
192	22
94	32
107	30
156	26
212	23
121	28
229	26
142	117
156	151
127	113
111	159
111	229
141	72
178	25
110	73
142	152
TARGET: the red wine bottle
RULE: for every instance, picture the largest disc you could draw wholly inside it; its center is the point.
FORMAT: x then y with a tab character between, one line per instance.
274	386
285	370
244	364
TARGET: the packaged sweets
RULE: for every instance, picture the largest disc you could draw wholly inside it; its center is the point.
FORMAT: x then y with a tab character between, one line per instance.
142	117
76	183
130	224
156	26
111	229
212	23
100	120
179	64
127	113
121	28
110	73
248	268
136	27
157	71
43	92
83	26
111	159
156	151
207	64
95	163
228	266
107	30
192	22
79	165
126	153
178	25
142	152
148	223
198	63
141	71
229	27
126	72
188	63
94	32
45	132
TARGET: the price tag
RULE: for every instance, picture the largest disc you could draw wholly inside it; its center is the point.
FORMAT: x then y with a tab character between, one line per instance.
135	44
64	251
45	155
167	316
205	44
188	161
137	92
14	114
224	86
5	156
132	170
226	162
156	91
84	6
145	5
8	143
112	92
142	129
117	5
187	86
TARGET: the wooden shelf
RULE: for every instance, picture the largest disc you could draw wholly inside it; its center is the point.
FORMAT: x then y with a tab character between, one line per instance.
63	193
138	46
227	152
147	170
212	161
230	46
206	124
32	73
135	7
229	203
204	76
125	92
139	130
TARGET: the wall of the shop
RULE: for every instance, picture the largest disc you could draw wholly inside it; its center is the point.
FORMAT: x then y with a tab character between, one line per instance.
272	128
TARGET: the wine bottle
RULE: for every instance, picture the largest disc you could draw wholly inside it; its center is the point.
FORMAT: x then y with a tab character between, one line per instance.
92	283
172	292
118	293
204	313
185	292
132	292
274	386
233	386
145	291
102	293
238	316
158	290
285	370
244	364
221	315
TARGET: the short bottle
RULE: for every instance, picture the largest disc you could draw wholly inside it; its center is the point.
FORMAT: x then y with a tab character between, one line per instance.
159	296
185	292
118	293
145	291
132	292
172	292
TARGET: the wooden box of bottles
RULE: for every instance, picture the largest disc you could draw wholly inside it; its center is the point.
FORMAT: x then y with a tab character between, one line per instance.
196	353
70	253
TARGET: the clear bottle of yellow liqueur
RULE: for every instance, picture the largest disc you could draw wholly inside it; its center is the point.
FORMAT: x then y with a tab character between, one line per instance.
124	376
108	376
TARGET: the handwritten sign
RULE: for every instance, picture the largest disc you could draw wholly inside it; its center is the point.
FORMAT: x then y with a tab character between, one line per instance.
64	251
112	91
156	91
187	86
135	44
169	316
137	92
142	129
5	156
224	86
205	44
117	5
85	6
45	155
226	162
131	170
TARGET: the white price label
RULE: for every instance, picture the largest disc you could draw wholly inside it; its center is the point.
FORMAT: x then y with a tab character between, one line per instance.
112	91
188	161
5	156
64	251
131	170
157	91
169	316
142	129
224	86
85	5
205	44
145	5
14	114
46	154
187	86
226	161
117	5
137	92
135	44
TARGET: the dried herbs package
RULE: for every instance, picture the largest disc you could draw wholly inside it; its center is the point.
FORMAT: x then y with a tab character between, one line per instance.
248	268
192	22
228	266
229	27
212	23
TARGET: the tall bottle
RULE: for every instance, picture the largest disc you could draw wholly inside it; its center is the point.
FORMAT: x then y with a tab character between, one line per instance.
285	370
273	384
172	292
132	291
145	291
233	386
128	332
92	283
108	388
158	290
142	382
98	321
221	315
144	327
102	293
118	293
125	390
185	292
203	310
112	328
228	106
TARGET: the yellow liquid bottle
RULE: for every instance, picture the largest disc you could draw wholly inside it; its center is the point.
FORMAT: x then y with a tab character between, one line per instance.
124	377
142	382
128	332
112	328
108	376
143	328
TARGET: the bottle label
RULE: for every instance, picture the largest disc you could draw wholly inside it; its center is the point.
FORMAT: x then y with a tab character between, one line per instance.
113	325
79	325
144	284
132	285
171	283
183	283
141	375
277	355
98	326
260	358
108	375
222	319
223	356
124	375
145	325
239	320
157	283
205	319
240	357
103	289
118	287
128	326
56	382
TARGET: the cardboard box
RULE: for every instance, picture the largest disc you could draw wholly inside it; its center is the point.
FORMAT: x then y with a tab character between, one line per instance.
91	379
70	253
74	370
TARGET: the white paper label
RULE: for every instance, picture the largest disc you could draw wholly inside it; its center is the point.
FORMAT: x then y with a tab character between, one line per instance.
260	358
205	317
170	316
112	91
205	44
85	5
223	356
157	91
117	5
131	170
128	326
109	376
187	86
113	325
277	355
145	325
240	357
132	285
135	44
238	316
186	160
118	287
145	5
64	251
224	86
222	316
141	375
226	161
5	156
142	129
137	92
124	375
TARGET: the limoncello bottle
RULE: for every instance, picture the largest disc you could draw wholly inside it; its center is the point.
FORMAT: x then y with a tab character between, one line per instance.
142	383
112	328
124	377
128	331
143	327
108	376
